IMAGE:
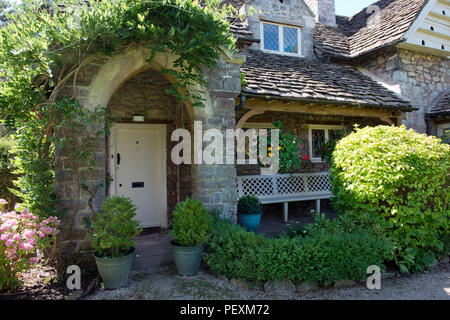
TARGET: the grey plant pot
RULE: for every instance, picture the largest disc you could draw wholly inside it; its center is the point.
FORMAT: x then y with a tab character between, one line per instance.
114	271
187	259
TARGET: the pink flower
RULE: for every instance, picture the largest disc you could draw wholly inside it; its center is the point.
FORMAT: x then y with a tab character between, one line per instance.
33	260
47	230
26	246
28	234
11	253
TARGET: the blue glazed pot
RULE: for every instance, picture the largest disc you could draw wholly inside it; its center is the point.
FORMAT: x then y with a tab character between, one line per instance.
250	221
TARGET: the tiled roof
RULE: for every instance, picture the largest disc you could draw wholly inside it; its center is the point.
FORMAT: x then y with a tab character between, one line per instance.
353	36
441	105
290	77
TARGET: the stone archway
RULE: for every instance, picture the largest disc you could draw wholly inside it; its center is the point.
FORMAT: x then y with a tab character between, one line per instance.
95	84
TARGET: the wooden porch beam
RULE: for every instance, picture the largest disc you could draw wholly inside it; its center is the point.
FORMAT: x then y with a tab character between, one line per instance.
258	105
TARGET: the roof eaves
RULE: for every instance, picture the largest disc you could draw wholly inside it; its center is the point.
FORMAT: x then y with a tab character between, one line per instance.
406	108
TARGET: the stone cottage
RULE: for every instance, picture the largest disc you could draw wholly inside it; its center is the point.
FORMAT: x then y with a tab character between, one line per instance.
303	65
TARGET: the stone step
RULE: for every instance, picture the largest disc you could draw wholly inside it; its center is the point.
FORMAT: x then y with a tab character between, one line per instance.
153	251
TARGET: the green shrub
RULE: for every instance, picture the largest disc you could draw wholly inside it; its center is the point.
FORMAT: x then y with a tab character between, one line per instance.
249	205
397	182
323	256
113	228
7	169
191	223
230	248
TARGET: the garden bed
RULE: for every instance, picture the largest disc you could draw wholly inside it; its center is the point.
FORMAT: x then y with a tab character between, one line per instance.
44	284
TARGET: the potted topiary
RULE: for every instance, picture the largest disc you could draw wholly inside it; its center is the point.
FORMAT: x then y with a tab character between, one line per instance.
249	212
112	233
191	229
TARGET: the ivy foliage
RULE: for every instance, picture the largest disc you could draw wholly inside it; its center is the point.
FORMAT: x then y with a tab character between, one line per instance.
396	181
44	44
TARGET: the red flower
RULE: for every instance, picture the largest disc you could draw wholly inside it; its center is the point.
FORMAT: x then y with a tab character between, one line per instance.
306	157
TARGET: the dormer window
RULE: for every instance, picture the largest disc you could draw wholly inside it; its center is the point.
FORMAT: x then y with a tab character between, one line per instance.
280	38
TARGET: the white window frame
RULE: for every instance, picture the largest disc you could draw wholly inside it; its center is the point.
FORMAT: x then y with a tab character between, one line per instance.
327	129
281	39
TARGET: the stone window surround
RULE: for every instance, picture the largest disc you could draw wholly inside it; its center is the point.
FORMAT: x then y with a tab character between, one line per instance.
282	23
327	129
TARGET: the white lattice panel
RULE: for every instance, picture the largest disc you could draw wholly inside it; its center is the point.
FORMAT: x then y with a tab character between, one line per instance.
284	186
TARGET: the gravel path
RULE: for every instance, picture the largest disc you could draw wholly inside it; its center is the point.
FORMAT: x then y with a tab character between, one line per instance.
164	284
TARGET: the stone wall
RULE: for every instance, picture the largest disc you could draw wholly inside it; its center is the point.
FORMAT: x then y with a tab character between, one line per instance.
215	185
421	77
298	124
324	10
293	12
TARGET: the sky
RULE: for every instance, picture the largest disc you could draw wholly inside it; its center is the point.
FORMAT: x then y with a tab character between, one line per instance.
343	7
350	7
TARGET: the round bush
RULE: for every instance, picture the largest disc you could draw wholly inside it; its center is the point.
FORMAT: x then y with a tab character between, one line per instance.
114	228
192	223
400	178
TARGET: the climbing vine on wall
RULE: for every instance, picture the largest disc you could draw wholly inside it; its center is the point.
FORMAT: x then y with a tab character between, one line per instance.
44	44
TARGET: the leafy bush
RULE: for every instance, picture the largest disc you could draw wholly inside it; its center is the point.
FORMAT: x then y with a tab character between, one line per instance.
7	169
191	223
249	205
396	181
21	235
323	256
113	228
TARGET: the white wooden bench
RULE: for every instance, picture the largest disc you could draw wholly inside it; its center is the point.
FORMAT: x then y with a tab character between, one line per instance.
285	188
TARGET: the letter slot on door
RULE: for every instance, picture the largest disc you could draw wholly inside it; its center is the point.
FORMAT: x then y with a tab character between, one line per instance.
136	185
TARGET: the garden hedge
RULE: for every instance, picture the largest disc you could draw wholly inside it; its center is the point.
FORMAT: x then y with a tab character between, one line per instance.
398	180
324	256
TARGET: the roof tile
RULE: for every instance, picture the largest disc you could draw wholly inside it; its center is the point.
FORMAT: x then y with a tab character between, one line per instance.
284	76
353	36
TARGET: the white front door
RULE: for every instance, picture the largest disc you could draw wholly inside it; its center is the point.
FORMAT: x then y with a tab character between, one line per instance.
138	169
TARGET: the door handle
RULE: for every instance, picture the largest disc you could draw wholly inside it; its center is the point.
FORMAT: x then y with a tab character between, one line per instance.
118	159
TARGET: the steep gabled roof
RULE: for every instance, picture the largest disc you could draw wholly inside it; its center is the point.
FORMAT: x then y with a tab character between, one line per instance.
294	78
353	36
441	106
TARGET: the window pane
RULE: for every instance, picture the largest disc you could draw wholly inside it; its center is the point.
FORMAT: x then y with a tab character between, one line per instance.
271	41
290	40
334	134
318	139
